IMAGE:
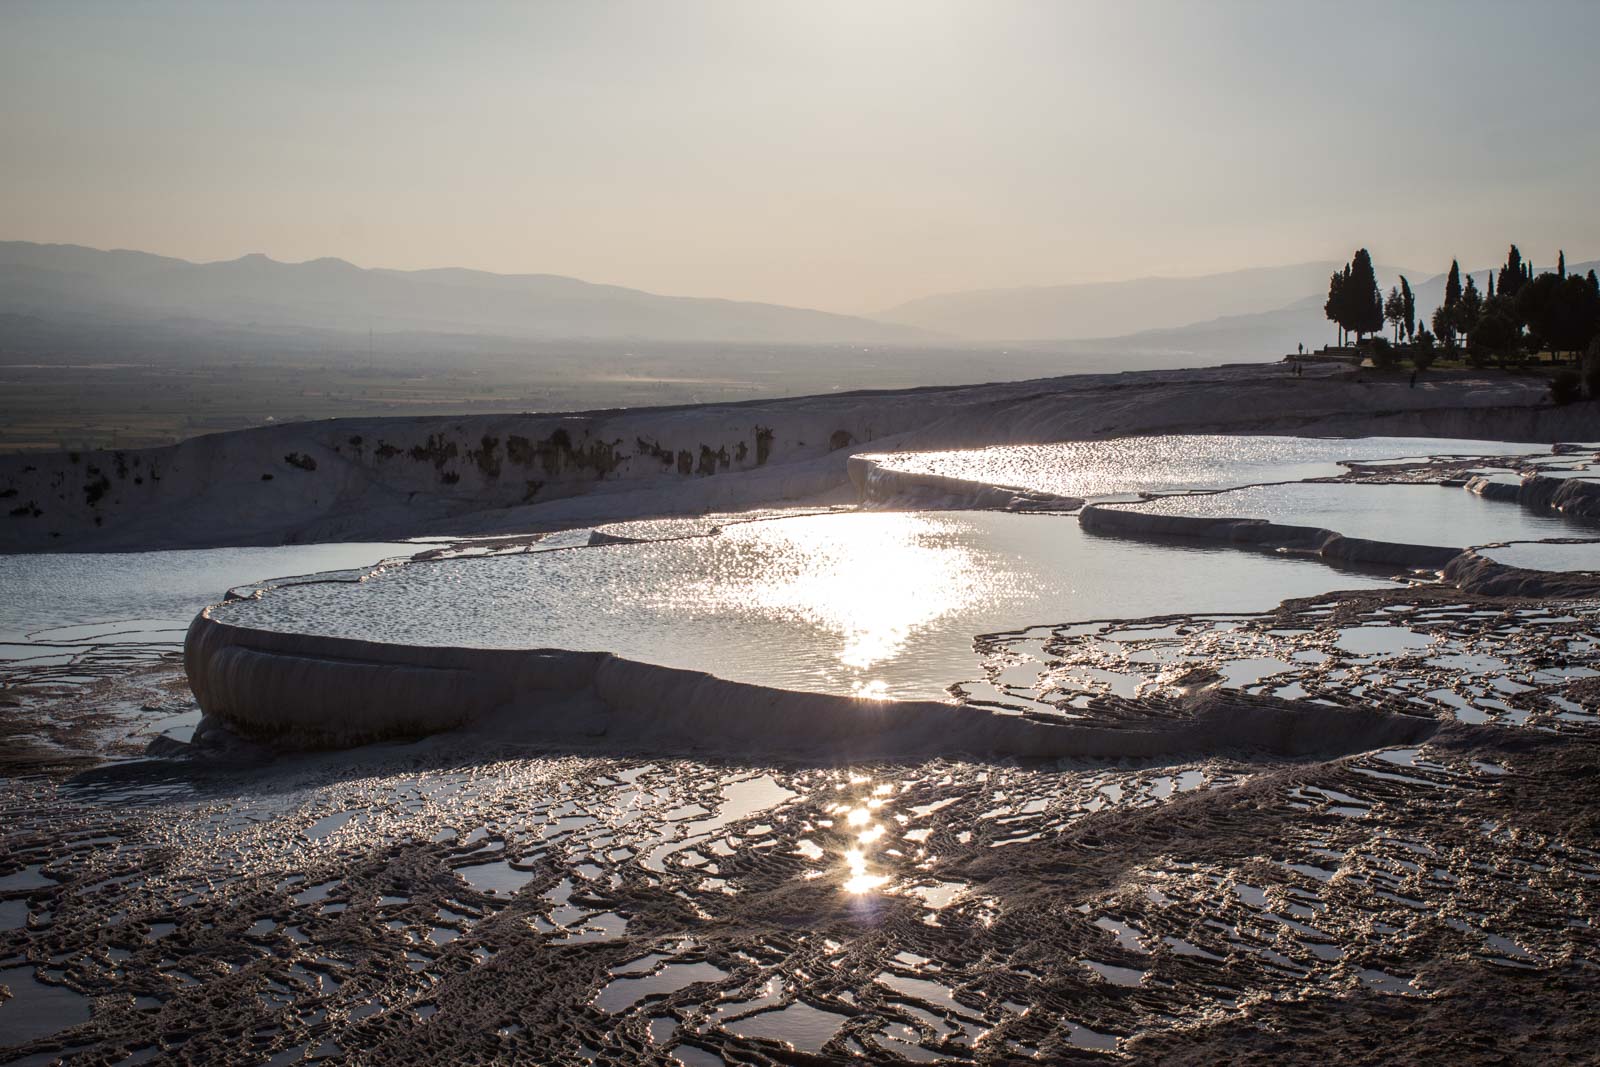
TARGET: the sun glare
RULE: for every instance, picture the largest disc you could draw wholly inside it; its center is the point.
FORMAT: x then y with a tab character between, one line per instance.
860	877
867	584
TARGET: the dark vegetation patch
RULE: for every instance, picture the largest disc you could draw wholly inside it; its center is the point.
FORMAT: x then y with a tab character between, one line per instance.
654	450
711	462
300	460
435	450
95	490
764	437
557	452
840	439
487	456
519	449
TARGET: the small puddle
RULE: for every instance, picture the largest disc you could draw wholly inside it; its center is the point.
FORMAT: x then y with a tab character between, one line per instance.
1240	673
800	1025
606	926
37	1009
27	878
315	893
1123	976
1083	1037
496	878
1386	640
1128	936
327	825
620	994
940	894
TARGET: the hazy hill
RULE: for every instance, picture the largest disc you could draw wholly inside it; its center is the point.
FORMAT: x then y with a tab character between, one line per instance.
1111	309
53	281
1242	314
1258	337
1267	334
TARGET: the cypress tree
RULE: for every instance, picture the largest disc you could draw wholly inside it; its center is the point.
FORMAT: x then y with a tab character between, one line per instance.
1364	300
1355	303
1452	286
1409	300
1512	277
1561	264
1469	309
1334	308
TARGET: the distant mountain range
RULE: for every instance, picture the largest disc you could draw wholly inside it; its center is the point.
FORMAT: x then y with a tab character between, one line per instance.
66	298
50	281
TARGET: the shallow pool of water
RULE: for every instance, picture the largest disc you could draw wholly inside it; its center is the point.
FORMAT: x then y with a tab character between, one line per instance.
874	603
799	1024
153	588
1408	514
37	1009
1184	461
1582	556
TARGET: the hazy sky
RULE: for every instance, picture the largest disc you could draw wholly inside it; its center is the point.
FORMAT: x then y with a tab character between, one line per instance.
845	155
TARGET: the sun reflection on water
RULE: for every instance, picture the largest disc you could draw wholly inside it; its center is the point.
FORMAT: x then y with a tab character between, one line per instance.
861	880
861	817
869	584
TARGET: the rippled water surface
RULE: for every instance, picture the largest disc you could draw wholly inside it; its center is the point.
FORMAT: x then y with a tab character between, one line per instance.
1581	556
1184	461
1409	514
41	591
876	603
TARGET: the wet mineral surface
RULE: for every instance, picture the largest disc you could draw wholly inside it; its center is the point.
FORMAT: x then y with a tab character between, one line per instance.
469	899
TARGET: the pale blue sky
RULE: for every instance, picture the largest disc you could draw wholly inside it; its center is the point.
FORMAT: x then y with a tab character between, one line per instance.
845	155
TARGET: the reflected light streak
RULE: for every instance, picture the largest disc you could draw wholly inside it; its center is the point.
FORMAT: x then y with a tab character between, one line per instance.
861	878
860	881
872	582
